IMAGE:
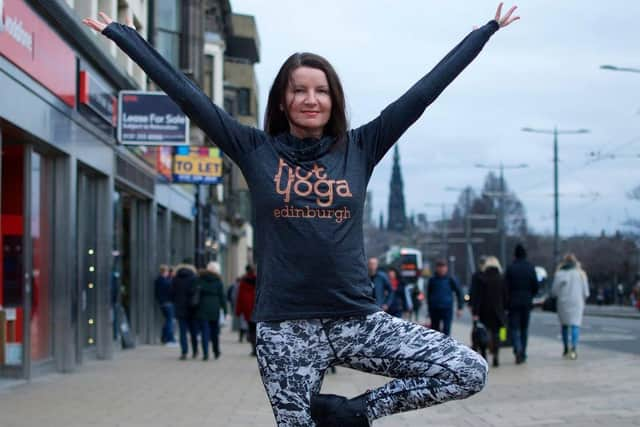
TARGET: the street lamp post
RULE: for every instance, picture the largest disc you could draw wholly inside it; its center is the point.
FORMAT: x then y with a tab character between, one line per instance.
556	210
444	227
467	229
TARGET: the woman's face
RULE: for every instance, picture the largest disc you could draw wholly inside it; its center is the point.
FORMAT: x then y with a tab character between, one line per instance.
391	274
308	102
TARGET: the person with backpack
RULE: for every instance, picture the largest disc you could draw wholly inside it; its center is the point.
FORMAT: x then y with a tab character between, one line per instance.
440	290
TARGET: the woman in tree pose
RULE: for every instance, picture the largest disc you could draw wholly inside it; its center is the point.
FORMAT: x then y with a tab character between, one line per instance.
308	174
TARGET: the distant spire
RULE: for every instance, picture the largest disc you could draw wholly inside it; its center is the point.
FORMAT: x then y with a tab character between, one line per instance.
381	223
368	210
397	215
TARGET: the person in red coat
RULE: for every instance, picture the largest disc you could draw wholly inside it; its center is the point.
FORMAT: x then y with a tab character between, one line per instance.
246	301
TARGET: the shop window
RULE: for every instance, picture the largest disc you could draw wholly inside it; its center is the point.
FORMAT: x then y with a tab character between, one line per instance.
229	106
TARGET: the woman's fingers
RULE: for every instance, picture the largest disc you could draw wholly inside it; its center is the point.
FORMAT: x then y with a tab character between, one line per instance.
507	19
93	24
101	24
105	18
499	12
130	22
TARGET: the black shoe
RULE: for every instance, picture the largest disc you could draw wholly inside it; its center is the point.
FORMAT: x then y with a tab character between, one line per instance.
205	357
495	362
183	357
519	359
194	355
329	410
216	355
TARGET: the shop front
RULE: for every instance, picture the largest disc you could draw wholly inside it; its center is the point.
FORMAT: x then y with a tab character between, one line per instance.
84	221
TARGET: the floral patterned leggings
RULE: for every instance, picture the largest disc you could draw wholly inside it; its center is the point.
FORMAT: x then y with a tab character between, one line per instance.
429	368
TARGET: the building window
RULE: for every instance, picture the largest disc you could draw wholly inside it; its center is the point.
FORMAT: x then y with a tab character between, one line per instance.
208	75
244	102
229	106
168	30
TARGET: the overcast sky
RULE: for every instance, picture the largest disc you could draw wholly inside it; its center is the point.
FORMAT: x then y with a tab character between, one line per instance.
539	72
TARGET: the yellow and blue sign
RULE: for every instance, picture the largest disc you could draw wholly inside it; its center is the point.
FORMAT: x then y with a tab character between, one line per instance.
197	165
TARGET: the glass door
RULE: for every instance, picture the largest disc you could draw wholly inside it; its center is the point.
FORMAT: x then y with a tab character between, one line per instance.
42	208
87	223
12	296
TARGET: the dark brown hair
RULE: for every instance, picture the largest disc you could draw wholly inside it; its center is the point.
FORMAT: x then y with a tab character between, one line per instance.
275	118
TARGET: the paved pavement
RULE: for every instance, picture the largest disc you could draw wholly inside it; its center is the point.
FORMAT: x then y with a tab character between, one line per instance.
612	311
150	387
613	333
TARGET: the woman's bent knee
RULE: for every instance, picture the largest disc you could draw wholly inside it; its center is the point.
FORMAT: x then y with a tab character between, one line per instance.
474	376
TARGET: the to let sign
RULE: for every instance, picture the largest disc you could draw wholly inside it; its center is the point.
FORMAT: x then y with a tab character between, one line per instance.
150	118
197	165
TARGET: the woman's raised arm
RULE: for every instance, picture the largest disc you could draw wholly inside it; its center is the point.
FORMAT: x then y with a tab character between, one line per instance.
232	137
379	135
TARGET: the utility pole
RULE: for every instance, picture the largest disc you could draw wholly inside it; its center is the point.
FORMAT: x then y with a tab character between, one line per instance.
503	231
445	234
467	235
501	195
556	202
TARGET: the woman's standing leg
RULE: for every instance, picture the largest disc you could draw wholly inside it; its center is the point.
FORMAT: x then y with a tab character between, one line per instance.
575	336
292	357
193	332
203	326
494	342
214	327
251	336
565	339
182	330
429	367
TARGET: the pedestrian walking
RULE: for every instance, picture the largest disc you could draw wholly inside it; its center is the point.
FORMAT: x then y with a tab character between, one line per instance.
417	299
382	291
441	288
212	302
522	286
400	301
635	293
245	304
488	302
183	291
308	177
162	287
571	288
238	322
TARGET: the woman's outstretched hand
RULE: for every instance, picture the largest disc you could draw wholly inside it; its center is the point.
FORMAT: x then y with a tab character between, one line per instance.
507	19
102	23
